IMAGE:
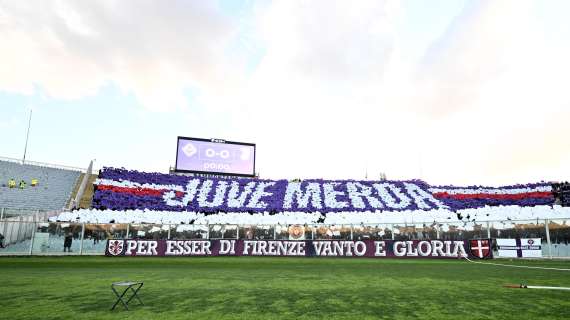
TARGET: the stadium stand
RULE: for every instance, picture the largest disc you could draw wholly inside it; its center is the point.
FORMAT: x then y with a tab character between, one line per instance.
52	190
128	196
140	205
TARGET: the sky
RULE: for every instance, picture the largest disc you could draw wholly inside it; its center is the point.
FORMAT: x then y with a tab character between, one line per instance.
452	92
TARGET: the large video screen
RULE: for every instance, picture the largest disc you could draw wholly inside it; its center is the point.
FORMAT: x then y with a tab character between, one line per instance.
215	157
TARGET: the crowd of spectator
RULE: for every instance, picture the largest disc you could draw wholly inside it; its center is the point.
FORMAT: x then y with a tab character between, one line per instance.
561	192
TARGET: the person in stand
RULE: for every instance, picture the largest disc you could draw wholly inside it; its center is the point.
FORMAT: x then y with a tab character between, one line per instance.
67	241
1	241
34	182
22	184
12	183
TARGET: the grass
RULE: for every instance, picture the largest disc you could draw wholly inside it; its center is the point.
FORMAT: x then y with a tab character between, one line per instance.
279	288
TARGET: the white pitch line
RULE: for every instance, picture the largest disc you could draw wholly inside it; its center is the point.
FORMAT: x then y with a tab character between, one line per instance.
513	266
543	287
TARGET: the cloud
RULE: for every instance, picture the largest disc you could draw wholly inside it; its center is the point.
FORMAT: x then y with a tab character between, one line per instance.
493	89
341	99
331	91
319	87
478	46
151	49
331	41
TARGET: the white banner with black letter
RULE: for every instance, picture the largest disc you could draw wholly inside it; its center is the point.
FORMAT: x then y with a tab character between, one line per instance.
520	248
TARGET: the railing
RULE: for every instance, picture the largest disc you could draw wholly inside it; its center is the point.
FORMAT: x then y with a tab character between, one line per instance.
42	164
74	203
9	214
28	237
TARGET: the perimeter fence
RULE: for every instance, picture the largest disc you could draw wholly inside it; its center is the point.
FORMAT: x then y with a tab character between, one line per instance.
32	235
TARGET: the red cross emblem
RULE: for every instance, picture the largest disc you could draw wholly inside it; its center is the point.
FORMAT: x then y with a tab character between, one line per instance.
480	248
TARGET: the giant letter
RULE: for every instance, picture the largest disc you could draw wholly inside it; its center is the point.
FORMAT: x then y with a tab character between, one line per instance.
331	194
313	191
190	193
420	197
388	199
218	197
255	201
235	201
356	195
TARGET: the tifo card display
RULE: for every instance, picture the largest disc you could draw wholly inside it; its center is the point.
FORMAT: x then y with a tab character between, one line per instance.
120	189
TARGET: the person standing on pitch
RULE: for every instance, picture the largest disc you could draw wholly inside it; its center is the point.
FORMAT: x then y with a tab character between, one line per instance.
67	241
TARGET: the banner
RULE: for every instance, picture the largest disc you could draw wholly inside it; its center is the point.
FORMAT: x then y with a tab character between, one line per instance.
308	248
520	248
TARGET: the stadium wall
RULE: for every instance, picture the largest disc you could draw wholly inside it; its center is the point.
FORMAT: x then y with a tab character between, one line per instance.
22	237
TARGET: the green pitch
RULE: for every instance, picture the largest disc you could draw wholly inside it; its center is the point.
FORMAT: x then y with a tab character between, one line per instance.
279	288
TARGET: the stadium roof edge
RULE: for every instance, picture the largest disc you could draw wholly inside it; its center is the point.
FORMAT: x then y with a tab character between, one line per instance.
43	164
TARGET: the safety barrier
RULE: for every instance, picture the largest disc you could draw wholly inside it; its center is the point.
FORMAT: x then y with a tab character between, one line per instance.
23	237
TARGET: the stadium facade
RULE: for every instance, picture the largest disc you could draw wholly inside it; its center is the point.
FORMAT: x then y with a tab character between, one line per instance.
129	204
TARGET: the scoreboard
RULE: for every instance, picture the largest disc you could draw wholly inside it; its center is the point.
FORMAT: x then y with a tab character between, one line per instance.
215	156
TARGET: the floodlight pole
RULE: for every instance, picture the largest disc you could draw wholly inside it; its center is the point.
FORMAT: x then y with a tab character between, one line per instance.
27	136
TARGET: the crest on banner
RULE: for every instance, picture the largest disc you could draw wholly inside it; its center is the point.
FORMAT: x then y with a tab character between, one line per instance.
115	247
296	232
480	248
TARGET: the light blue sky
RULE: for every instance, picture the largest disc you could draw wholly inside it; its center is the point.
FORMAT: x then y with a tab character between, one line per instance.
325	88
